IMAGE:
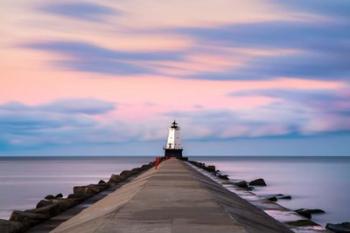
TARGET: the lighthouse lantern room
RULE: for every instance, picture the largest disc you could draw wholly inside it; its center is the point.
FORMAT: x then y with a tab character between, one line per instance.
173	146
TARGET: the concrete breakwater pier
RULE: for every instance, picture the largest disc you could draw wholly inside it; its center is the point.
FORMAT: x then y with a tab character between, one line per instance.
173	198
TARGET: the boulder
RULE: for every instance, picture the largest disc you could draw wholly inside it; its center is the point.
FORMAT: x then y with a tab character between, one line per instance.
55	207
258	182
198	164
47	211
272	198
102	182
242	184
308	212
145	167
50	197
210	168
316	211
126	173
101	187
116	179
83	190
339	228
43	203
79	189
60	195
89	189
27	218
275	197
151	164
301	223
66	203
283	197
224	177
76	198
7	226
135	170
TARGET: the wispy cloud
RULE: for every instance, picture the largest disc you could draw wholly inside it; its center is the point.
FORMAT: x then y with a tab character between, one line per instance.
321	50
322	102
335	9
86	106
79	10
86	57
60	122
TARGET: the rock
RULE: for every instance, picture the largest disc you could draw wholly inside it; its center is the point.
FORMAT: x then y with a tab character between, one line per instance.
301	223
126	173
74	201
272	198
304	213
50	197
116	179
224	177
79	189
242	184
198	164
283	197
339	228
47	211
145	167
250	188
308	212
151	164
43	203
78	196
275	197
60	195
84	190
135	170
100	187
258	182
210	168
27	218
102	182
55	207
67	203
89	189
316	211
7	226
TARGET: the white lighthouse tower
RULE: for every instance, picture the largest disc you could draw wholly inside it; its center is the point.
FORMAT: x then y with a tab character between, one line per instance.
173	146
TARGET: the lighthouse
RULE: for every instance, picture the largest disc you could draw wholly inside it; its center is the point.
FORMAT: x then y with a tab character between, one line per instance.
173	146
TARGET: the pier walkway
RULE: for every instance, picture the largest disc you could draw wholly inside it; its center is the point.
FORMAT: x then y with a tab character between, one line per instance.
174	198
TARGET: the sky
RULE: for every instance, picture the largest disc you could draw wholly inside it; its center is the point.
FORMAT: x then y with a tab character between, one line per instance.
254	77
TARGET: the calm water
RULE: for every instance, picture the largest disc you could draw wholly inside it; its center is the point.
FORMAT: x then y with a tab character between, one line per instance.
318	182
25	181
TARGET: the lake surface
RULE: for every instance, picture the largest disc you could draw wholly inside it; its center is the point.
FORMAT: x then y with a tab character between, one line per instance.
313	182
25	181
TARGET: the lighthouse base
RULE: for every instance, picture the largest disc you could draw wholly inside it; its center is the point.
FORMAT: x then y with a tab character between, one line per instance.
173	153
